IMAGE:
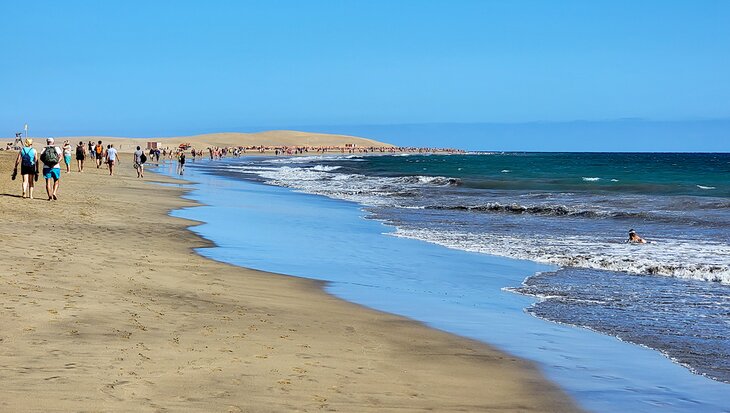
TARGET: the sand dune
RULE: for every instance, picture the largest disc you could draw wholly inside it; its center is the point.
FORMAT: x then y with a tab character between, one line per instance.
228	139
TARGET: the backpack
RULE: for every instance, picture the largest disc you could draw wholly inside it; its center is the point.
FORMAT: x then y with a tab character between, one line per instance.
143	158
50	156
25	155
99	149
79	151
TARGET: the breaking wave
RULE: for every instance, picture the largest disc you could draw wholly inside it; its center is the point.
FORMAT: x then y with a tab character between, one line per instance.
665	257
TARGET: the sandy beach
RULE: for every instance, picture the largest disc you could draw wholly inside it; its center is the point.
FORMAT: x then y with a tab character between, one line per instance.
106	307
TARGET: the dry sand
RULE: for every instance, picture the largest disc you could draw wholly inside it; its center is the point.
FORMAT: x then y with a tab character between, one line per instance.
105	307
268	138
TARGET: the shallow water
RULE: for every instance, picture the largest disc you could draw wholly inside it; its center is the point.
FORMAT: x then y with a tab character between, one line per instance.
274	229
687	319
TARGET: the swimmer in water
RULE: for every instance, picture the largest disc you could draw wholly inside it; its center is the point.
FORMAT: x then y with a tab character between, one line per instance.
634	238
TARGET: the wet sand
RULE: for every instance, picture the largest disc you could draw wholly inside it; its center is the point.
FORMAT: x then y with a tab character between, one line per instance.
106	307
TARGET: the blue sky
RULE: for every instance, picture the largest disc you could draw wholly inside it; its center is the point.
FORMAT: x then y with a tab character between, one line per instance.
184	67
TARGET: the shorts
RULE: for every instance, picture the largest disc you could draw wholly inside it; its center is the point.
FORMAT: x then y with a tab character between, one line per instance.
54	173
111	162
80	157
67	159
27	169
138	165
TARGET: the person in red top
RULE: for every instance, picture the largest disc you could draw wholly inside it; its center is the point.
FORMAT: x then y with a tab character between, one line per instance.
99	150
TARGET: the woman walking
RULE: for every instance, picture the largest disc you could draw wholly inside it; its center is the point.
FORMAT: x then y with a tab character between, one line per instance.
80	156
67	155
28	160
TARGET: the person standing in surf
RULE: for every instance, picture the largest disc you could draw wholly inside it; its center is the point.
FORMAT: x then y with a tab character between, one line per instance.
634	238
181	163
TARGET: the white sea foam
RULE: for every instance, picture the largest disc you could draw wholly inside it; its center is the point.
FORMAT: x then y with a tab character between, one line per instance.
694	260
370	191
325	168
505	171
705	187
594	179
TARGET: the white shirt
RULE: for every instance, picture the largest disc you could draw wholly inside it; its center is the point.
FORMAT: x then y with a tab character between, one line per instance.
111	153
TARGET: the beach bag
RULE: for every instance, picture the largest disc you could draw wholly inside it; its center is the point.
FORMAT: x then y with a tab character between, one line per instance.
49	156
26	156
143	158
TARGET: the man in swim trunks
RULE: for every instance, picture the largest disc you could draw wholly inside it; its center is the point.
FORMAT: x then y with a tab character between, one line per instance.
52	172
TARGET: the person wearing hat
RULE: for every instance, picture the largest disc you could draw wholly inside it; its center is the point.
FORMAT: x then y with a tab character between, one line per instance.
634	238
28	161
52	168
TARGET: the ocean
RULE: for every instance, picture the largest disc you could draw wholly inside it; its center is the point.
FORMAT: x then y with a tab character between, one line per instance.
567	213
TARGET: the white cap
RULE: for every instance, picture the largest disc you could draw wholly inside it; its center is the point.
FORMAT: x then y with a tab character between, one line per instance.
49	141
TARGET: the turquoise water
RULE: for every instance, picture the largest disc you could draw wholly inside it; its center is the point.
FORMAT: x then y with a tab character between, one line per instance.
613	173
463	292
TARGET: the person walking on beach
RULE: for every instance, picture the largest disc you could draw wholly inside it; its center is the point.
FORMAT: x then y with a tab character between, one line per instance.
181	163
139	160
99	152
51	158
111	157
80	156
67	155
92	153
28	160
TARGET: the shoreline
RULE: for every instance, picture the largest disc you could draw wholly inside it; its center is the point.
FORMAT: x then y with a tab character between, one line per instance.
167	328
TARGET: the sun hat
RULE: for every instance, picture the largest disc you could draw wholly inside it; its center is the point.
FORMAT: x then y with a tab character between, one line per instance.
28	141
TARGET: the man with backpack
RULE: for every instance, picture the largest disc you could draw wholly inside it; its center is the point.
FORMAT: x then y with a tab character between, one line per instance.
99	152
51	158
139	159
28	160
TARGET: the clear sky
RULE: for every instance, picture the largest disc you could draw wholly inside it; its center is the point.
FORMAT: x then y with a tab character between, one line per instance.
183	67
